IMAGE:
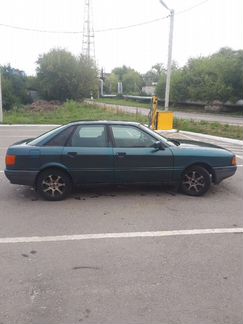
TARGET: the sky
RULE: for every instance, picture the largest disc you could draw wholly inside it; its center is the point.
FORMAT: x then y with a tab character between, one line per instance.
201	28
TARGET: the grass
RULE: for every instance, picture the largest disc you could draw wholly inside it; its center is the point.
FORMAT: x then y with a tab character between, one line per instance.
71	111
124	102
215	128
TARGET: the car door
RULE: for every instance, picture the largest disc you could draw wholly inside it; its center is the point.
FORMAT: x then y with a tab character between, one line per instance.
135	158
88	155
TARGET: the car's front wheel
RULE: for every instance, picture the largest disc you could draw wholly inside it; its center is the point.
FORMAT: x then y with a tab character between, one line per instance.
53	184
195	181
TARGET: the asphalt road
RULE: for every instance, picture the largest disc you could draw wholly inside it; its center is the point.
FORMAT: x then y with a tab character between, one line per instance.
223	119
175	279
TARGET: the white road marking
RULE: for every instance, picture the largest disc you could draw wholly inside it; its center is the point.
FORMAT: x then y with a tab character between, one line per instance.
35	239
28	125
239	157
17	136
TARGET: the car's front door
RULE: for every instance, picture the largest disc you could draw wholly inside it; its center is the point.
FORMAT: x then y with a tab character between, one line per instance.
88	155
135	158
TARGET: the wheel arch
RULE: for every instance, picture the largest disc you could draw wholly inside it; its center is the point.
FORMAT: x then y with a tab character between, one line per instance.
53	166
204	165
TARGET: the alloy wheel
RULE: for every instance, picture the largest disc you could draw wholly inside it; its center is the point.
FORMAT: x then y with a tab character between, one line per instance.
195	181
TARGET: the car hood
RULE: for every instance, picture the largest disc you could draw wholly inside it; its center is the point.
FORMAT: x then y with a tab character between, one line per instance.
196	144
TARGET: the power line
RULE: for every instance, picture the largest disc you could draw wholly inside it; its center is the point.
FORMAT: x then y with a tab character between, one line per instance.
131	26
191	8
105	29
81	32
40	30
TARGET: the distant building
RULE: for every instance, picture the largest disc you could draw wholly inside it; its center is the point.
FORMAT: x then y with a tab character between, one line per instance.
149	90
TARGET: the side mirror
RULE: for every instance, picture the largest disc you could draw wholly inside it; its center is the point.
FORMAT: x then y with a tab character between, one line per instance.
158	145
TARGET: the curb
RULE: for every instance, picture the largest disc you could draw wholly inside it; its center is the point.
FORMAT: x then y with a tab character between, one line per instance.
217	138
168	131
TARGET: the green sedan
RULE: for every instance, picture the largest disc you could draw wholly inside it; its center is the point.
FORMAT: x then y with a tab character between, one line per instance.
92	152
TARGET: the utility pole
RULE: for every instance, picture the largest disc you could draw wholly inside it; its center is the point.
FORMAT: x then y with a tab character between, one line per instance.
1	102
167	88
88	48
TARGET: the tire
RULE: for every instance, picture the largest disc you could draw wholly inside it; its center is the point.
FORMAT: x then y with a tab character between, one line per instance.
195	181
53	184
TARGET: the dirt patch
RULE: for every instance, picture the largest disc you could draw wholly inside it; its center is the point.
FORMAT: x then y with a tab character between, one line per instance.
45	106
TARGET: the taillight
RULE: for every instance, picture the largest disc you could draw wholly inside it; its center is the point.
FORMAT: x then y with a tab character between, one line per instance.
10	160
233	161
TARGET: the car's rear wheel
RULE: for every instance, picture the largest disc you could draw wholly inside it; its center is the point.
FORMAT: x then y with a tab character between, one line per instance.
53	184
195	181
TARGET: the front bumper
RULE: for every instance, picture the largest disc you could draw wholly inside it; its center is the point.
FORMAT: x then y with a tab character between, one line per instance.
222	173
21	177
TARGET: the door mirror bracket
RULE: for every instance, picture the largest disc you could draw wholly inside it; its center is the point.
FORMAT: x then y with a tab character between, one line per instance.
158	145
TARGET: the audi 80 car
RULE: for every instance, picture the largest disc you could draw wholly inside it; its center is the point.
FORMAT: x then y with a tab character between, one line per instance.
110	152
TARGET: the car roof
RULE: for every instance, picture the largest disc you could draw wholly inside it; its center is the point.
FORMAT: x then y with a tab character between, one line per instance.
107	122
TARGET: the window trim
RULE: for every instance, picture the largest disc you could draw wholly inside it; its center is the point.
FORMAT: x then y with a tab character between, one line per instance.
68	144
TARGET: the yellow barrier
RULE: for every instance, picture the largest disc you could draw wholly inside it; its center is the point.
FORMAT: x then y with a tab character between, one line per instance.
165	120
154	113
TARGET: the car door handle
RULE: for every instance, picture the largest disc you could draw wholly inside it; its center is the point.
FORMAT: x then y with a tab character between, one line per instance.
121	155
72	154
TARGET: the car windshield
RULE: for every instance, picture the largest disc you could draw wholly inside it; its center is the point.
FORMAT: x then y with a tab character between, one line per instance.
42	137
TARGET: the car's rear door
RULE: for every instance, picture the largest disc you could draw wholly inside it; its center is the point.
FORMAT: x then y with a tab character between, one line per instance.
135	158
88	155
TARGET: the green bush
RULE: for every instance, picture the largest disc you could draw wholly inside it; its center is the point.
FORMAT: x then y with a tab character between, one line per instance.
14	87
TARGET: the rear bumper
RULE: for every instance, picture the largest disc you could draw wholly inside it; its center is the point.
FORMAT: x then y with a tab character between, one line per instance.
222	173
21	177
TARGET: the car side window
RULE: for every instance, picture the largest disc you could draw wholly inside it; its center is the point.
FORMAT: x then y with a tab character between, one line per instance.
61	138
129	136
89	136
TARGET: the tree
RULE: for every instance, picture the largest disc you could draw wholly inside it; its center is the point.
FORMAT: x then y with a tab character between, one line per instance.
110	84
153	76
219	76
88	81
14	89
120	72
32	83
63	76
161	75
132	80
160	88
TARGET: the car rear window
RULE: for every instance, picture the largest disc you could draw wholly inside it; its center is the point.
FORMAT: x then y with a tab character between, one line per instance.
61	138
44	136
